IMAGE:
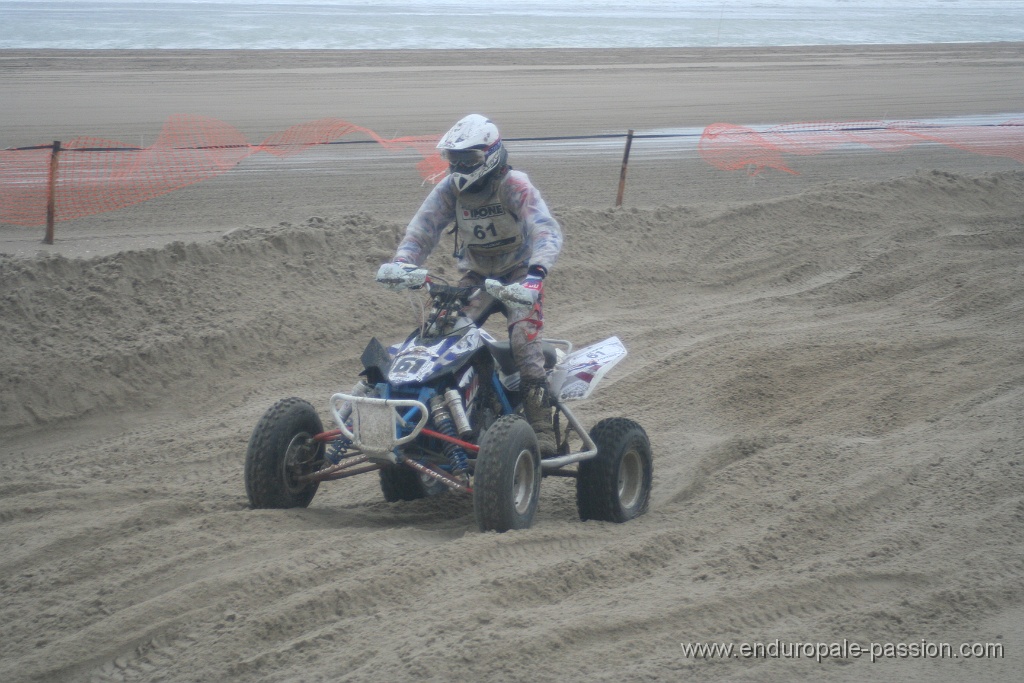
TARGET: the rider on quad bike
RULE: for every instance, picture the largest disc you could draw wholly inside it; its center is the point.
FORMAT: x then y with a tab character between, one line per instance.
503	231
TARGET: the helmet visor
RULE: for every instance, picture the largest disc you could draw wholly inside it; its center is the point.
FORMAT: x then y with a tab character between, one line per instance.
463	159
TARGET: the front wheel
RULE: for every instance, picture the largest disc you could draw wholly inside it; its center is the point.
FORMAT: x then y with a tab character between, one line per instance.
281	449
506	481
615	485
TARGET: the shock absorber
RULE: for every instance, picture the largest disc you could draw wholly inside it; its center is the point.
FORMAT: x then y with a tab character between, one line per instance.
454	403
443	423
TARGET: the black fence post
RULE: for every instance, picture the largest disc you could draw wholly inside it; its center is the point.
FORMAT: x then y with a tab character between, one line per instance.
51	194
625	163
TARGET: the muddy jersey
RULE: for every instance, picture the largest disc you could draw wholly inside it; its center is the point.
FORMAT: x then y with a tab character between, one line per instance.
504	226
485	228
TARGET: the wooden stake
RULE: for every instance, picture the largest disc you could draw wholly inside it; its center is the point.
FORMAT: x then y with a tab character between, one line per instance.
625	163
51	194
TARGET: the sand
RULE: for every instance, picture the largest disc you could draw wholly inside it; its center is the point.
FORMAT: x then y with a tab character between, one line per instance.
829	367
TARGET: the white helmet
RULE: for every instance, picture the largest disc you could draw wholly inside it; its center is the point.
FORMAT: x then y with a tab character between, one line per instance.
473	151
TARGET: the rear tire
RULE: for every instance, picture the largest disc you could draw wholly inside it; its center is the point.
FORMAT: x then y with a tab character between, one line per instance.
506	481
403	483
280	449
615	485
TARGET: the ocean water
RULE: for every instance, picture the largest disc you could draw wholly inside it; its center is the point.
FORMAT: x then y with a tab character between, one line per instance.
437	24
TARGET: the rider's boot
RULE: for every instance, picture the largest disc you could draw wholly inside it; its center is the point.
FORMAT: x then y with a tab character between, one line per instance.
537	407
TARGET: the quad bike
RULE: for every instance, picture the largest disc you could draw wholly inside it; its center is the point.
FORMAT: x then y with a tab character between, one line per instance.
442	411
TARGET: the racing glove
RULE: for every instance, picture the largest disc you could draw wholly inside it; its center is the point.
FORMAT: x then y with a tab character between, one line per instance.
399	275
534	282
525	293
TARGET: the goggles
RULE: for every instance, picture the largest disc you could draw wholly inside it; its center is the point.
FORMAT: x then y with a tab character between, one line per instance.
464	158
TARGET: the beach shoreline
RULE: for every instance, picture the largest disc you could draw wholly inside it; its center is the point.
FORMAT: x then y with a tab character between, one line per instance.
142	59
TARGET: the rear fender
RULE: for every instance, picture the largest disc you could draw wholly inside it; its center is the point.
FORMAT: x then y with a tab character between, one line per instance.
575	377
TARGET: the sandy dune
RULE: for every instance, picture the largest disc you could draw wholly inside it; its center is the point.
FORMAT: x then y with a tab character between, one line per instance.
829	366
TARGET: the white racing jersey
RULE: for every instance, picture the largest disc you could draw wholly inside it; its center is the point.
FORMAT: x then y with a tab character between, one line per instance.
503	226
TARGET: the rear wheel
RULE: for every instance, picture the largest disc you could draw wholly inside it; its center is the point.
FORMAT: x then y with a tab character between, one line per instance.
281	449
506	481
403	483
615	485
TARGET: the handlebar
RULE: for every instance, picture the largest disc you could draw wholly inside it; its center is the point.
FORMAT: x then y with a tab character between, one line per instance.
440	290
398	276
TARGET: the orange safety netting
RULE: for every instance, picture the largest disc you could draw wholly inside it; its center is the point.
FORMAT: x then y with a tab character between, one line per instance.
731	148
96	175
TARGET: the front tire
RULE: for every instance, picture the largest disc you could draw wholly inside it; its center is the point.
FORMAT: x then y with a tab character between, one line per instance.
506	481
280	450
615	485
